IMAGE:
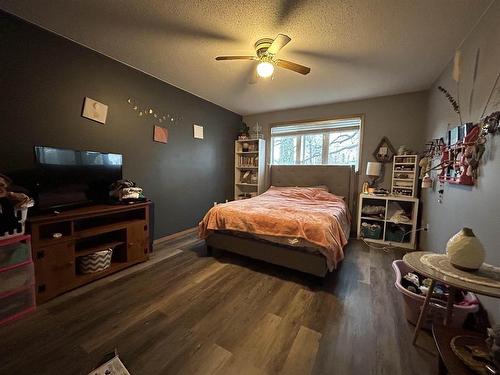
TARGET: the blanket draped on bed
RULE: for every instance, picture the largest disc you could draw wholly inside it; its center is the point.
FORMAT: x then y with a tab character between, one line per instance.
310	214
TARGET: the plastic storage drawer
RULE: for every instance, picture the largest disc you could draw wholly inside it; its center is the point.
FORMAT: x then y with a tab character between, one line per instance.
14	251
15	278
16	305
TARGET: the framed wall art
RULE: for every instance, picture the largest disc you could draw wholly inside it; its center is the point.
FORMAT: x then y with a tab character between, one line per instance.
160	134
94	110
384	151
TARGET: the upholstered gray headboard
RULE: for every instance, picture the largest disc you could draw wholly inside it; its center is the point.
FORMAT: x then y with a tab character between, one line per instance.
339	179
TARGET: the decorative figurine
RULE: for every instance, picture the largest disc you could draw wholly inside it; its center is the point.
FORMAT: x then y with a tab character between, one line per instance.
465	251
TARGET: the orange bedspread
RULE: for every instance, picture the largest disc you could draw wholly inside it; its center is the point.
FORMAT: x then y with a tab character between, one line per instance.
311	214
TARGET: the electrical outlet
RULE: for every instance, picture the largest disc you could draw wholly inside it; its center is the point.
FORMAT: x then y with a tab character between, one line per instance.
427	227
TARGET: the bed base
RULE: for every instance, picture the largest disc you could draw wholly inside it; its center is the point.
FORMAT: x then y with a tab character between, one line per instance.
300	260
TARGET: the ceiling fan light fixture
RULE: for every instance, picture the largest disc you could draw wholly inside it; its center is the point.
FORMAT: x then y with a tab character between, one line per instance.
265	69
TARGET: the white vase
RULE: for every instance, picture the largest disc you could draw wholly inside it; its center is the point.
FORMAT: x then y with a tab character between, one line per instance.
465	251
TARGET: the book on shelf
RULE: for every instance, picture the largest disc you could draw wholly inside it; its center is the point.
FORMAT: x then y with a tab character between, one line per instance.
248	161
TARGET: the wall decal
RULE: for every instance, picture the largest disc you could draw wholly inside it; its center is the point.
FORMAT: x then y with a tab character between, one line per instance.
197	131
160	134
157	116
94	110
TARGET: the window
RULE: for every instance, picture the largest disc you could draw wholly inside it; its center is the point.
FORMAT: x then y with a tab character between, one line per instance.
334	142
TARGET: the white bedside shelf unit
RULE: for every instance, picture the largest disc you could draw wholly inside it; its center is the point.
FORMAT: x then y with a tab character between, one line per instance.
391	231
249	168
404	175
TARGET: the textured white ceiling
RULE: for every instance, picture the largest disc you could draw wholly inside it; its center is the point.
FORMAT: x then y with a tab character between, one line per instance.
355	48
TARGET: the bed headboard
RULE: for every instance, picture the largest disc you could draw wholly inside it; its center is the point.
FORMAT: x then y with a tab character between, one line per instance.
339	179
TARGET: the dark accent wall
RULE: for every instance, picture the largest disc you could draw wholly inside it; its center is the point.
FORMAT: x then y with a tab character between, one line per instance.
43	81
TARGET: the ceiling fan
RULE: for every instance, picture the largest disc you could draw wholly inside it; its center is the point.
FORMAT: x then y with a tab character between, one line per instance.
266	50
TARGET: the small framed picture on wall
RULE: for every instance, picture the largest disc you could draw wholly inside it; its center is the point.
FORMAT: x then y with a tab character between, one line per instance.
94	110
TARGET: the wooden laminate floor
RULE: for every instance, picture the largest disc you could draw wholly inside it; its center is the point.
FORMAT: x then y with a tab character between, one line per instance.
191	314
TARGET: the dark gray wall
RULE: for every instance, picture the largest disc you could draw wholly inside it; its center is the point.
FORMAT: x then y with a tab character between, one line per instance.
476	207
44	79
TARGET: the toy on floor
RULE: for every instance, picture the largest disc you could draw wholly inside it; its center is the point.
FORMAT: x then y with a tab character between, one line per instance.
419	284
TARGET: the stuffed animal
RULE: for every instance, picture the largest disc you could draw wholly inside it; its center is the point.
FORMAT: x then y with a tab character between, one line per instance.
4	184
8	220
493	343
9	203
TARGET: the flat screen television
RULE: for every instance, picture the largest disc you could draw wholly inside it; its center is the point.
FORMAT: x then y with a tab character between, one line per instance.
68	178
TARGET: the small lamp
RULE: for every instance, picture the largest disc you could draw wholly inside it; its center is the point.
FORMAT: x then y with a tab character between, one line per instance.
373	170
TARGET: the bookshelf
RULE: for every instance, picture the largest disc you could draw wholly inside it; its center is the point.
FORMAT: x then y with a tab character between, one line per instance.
249	171
405	175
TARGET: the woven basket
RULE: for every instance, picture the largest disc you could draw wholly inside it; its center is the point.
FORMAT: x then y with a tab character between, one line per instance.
95	262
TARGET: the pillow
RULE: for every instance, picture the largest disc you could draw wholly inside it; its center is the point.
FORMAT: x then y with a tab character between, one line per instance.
321	187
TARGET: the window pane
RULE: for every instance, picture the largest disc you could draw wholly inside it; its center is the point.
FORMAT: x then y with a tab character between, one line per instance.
284	150
344	147
312	149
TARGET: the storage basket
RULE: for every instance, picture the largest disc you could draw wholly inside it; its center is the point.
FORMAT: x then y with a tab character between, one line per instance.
14	251
397	234
437	309
95	262
21	215
373	231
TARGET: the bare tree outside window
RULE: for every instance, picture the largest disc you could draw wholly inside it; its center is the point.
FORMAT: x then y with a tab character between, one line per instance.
343	147
284	150
312	149
334	142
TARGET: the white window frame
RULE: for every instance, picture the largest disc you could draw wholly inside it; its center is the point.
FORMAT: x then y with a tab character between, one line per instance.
326	134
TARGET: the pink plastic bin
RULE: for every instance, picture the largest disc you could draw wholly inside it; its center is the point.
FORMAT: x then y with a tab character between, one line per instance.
17	277
14	306
437	308
14	251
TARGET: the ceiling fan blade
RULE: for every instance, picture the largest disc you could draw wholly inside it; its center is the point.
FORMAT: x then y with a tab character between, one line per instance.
293	66
279	42
219	58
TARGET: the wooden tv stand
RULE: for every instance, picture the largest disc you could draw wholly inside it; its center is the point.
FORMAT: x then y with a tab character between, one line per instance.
85	230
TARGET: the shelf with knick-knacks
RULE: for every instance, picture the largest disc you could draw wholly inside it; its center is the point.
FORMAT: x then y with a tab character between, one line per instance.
249	171
404	175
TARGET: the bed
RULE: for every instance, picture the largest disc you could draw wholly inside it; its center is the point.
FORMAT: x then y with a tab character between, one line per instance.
297	223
